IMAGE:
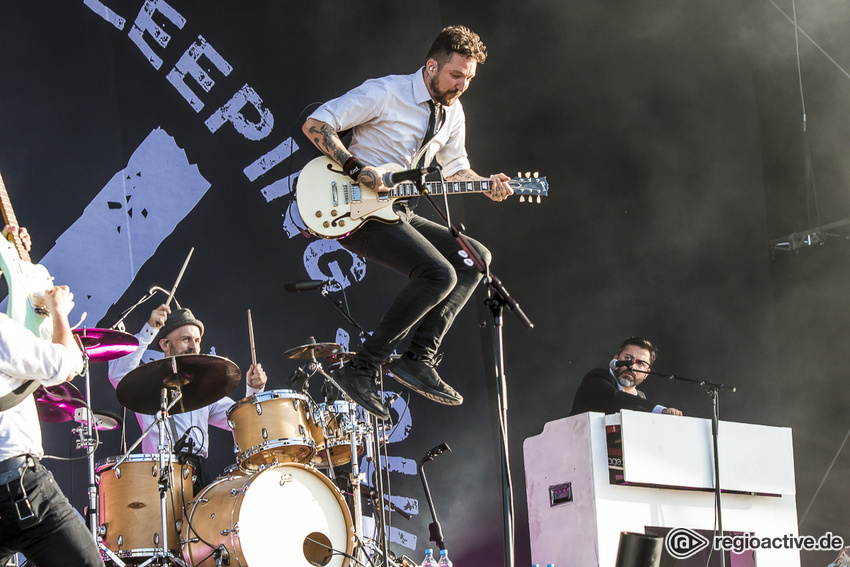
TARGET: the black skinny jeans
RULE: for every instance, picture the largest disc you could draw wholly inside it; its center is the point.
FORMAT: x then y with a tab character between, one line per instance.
58	539
442	279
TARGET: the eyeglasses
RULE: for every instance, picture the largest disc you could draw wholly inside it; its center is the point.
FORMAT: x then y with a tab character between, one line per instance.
641	364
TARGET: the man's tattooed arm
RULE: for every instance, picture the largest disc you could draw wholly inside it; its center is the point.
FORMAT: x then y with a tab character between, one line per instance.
326	138
465	175
500	188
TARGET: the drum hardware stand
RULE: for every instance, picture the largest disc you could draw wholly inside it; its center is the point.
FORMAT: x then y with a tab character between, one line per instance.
380	509
87	441
386	559
161	553
355	465
497	298
165	474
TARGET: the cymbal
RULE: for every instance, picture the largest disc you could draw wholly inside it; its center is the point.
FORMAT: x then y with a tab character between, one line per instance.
103	345
203	378
56	404
106	420
314	350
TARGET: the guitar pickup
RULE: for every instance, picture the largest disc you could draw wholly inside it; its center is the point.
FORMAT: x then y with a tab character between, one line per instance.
355	194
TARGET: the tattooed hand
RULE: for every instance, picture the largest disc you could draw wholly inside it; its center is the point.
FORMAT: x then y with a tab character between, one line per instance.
372	178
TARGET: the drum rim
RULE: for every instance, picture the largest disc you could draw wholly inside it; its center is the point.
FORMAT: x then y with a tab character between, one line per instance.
276	444
133	458
265	396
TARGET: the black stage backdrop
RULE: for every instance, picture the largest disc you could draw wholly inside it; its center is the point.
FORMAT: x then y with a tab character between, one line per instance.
671	134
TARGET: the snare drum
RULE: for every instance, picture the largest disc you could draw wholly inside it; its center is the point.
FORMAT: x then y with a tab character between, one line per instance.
286	514
271	427
330	425
129	511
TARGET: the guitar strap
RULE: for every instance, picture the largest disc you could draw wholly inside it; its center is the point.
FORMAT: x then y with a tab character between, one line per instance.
18	395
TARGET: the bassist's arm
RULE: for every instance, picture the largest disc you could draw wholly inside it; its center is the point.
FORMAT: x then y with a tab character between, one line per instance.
59	300
327	140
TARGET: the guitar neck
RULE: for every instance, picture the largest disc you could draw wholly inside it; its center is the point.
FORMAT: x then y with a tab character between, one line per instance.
11	220
438	188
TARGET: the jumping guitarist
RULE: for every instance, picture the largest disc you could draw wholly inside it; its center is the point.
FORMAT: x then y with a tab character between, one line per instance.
399	119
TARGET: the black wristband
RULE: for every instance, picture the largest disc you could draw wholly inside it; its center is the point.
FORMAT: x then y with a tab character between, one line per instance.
353	167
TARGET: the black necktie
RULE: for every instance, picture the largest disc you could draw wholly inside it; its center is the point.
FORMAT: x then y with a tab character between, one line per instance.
435	121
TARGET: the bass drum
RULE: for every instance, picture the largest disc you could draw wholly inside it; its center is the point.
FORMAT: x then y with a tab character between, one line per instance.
129	511
287	514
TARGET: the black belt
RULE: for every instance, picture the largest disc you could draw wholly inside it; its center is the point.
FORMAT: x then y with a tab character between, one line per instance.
11	469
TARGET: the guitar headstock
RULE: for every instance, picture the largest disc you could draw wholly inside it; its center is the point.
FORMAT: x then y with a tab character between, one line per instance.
531	185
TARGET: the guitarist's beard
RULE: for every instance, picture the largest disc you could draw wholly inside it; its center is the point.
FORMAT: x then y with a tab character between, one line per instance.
446	98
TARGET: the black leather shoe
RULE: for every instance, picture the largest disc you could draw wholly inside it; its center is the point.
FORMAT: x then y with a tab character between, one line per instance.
421	376
361	386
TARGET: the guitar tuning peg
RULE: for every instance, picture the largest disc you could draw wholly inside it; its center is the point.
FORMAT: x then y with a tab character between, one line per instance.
536	175
522	198
538	199
519	174
528	174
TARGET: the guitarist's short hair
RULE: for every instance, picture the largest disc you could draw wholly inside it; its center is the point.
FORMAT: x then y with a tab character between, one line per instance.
457	39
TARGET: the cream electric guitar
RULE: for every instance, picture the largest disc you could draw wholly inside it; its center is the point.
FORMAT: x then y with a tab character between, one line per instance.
27	284
331	205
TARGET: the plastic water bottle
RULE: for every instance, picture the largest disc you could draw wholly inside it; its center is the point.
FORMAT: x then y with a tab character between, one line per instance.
444	558
429	560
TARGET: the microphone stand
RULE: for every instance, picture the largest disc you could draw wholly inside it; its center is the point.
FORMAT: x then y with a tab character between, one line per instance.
713	390
434	527
340	308
497	298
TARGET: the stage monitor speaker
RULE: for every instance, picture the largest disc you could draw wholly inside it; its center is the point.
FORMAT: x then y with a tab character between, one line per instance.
639	550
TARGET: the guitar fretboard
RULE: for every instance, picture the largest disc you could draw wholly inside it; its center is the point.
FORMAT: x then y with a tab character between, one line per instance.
436	188
9	217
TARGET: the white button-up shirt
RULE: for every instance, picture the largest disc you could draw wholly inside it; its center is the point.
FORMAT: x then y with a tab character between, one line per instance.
389	117
24	357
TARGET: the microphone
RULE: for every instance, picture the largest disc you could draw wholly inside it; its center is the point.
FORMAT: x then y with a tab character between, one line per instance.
393	178
185	442
305	285
621	363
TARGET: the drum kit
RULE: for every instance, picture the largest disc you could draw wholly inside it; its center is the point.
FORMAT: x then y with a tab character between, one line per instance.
277	505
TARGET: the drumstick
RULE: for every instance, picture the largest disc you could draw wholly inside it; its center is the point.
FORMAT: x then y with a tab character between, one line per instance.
179	277
251	338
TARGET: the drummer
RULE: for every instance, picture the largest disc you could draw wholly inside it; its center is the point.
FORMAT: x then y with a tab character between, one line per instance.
176	333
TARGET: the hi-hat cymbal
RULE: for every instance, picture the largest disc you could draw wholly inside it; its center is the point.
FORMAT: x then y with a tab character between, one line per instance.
314	350
103	345
203	378
56	404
